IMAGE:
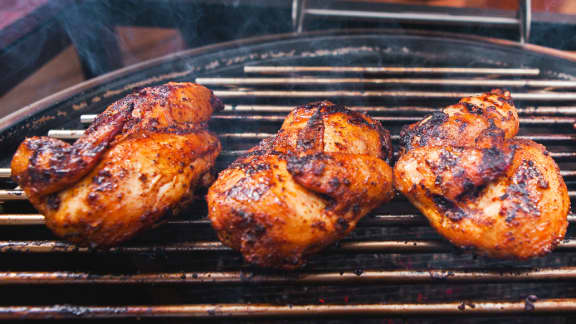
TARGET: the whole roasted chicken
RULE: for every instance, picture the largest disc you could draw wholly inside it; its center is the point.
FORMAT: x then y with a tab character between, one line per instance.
295	193
141	159
478	185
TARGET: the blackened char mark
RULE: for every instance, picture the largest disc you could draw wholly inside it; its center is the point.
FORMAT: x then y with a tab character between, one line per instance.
53	201
306	164
311	137
249	225
490	137
495	161
316	105
451	210
518	193
447	160
386	150
424	130
474	109
504	96
246	190
216	103
342	224
251	164
329	108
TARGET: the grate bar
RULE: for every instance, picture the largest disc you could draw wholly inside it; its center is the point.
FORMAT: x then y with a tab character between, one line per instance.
14	194
22	219
389	69
416	246
338	278
468	308
362	81
536	96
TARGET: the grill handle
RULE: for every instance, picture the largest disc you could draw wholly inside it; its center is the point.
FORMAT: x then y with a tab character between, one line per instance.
300	9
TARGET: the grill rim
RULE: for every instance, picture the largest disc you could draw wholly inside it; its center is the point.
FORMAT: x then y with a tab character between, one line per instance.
43	104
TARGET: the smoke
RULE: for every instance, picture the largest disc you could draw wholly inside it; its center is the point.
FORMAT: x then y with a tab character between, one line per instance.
93	27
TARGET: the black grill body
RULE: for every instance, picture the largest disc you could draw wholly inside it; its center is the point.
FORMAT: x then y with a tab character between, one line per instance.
392	266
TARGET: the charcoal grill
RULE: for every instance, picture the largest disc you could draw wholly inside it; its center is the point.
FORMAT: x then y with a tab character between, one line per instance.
392	266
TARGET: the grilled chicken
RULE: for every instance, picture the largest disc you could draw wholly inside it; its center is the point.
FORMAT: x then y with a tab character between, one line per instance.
141	159
479	186
295	193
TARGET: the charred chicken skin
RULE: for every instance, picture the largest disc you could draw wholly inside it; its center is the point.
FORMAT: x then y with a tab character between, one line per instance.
141	159
479	186
295	193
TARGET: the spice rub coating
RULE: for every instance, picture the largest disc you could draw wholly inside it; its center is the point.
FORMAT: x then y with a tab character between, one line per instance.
140	160
303	189
482	188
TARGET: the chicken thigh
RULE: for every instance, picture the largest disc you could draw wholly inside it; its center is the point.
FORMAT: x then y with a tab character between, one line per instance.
479	186
295	193
141	159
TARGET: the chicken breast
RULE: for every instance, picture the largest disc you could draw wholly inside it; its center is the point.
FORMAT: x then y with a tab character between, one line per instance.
141	159
482	188
302	190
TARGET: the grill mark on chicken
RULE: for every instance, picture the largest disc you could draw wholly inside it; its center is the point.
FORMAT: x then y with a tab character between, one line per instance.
250	166
451	210
247	190
472	108
495	162
386	152
302	165
311	137
522	199
253	229
424	130
53	201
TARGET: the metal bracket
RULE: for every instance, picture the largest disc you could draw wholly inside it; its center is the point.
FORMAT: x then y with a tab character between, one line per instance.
523	17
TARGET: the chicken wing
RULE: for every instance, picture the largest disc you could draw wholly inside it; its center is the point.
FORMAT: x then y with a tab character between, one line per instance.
305	188
141	159
480	187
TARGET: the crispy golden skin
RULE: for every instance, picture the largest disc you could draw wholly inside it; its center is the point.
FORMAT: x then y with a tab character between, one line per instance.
470	122
141	159
307	187
500	196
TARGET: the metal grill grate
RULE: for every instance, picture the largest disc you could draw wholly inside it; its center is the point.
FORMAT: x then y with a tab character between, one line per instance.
393	264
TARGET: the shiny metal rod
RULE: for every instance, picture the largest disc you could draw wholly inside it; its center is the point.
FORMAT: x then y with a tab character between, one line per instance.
391	81
388	69
536	96
415	246
458	308
300	278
